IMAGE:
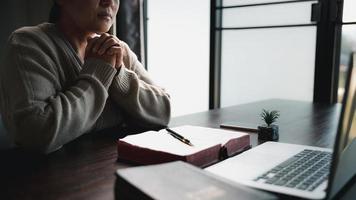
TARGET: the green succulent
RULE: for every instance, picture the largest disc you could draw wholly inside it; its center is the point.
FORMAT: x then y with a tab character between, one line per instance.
269	116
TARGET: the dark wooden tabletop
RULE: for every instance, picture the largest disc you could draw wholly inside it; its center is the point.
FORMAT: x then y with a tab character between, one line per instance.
85	168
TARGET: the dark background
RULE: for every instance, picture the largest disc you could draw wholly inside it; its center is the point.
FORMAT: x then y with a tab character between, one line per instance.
18	13
15	14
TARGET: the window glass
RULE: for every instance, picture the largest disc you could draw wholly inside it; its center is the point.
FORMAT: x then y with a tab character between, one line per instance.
267	15
247	2
349	14
260	64
348	45
178	51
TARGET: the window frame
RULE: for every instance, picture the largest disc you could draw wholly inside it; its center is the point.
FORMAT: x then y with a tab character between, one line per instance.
328	17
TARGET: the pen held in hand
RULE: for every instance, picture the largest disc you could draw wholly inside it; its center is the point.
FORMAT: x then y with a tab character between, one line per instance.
179	137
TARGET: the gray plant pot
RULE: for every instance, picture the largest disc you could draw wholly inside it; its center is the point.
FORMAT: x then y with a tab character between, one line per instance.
269	133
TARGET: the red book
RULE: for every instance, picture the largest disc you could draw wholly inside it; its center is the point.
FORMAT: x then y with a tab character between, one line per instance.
209	146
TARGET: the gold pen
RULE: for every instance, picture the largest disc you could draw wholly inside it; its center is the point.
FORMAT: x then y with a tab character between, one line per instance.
179	137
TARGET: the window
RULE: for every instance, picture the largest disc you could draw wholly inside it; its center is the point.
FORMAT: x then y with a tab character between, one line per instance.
348	42
260	49
178	51
267	50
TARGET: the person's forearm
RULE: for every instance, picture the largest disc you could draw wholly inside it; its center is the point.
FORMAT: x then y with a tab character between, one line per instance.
147	104
45	125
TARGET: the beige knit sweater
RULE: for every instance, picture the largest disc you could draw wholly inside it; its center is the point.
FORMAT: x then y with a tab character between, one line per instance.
48	97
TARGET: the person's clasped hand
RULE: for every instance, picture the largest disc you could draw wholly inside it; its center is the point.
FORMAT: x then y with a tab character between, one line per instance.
107	48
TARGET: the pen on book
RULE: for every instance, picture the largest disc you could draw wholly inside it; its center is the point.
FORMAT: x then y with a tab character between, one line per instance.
179	137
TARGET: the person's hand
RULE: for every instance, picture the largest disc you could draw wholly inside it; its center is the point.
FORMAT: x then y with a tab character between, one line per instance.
90	53
106	47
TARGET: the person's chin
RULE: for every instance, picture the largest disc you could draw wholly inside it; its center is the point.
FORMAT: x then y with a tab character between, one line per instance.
104	24
102	29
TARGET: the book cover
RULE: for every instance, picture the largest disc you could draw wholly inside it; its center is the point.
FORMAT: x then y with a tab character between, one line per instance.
209	146
178	181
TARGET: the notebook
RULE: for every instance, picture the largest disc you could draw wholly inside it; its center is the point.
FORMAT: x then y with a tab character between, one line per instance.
300	170
178	181
209	146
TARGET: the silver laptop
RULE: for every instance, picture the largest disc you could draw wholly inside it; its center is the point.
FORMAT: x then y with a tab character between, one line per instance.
298	170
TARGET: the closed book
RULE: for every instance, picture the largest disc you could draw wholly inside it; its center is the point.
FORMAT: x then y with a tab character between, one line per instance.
209	146
179	181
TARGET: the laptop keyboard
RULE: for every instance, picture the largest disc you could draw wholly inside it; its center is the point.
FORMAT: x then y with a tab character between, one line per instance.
304	171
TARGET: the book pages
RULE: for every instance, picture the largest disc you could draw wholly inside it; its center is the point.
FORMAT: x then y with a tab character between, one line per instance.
200	137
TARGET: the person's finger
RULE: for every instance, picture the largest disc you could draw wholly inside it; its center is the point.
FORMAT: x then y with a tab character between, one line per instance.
114	50
91	43
99	42
110	42
116	39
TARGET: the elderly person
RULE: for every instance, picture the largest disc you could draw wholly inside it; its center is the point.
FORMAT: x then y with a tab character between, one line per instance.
63	79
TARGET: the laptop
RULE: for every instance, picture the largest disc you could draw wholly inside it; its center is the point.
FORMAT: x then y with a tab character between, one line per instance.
298	170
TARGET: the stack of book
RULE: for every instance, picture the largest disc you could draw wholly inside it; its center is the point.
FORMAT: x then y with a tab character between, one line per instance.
198	147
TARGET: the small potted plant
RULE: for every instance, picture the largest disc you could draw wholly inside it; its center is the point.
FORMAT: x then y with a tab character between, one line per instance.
269	131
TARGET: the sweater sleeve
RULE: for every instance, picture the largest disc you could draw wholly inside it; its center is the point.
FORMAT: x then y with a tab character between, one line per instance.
38	112
147	104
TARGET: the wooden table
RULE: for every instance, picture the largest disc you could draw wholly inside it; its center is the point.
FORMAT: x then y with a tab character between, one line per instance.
85	168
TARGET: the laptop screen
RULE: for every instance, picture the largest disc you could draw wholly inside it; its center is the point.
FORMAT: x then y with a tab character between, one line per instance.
344	162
